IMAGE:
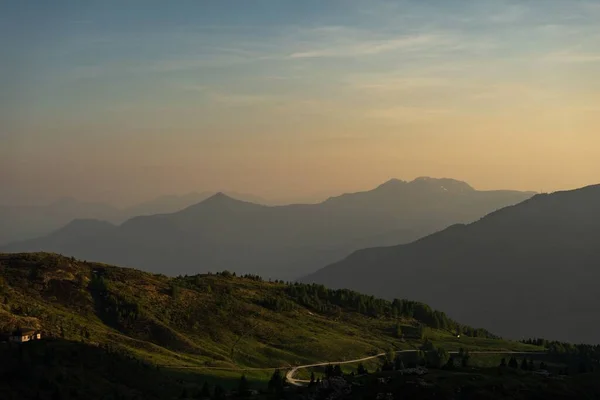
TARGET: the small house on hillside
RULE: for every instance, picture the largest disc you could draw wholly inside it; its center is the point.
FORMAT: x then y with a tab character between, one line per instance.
24	335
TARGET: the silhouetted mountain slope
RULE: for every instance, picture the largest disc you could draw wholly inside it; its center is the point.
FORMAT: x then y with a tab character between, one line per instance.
165	204
281	241
526	270
24	222
173	203
27	222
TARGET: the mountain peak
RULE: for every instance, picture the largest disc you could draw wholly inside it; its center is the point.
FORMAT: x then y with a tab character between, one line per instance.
220	198
220	201
426	182
394	182
443	184
221	195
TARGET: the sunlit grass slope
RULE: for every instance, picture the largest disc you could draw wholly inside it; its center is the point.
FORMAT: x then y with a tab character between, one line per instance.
206	322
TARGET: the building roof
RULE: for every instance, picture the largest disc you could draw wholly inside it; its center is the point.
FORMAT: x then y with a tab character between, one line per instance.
24	331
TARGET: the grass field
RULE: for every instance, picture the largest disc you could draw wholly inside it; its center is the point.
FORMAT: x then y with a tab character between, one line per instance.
190	325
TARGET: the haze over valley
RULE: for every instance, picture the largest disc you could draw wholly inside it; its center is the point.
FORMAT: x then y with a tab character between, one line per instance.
30	221
280	242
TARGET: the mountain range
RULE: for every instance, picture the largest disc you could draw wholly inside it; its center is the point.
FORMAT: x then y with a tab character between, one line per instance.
523	271
21	222
284	242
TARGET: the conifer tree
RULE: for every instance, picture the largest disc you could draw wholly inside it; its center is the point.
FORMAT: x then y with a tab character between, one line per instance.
219	392
465	359
337	371
243	386
361	370
399	364
205	392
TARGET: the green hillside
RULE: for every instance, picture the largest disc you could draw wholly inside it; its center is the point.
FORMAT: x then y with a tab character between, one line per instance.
211	327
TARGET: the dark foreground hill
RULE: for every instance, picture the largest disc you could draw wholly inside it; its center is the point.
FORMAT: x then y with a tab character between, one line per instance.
284	242
477	384
117	333
527	270
204	320
59	369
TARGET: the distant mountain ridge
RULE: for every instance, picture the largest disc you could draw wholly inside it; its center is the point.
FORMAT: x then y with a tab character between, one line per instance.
525	270
23	222
284	242
27	222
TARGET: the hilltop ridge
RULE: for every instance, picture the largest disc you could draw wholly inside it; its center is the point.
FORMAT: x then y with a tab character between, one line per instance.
207	319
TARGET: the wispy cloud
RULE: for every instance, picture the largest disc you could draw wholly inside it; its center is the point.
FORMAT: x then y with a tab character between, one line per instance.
409	114
281	77
399	84
513	93
229	98
164	65
204	61
569	56
238	99
510	14
360	47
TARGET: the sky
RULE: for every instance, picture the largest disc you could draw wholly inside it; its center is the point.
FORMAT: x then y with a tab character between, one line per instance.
120	101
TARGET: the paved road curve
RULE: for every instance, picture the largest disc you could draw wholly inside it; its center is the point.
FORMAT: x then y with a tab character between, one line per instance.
300	382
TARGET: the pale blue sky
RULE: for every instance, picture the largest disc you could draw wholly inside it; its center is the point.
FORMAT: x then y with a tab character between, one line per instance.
123	100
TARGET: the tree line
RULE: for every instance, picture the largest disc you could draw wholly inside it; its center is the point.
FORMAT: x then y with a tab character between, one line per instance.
286	296
322	299
585	356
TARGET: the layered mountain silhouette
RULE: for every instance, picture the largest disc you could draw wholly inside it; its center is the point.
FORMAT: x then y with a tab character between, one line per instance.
523	271
285	242
21	222
26	222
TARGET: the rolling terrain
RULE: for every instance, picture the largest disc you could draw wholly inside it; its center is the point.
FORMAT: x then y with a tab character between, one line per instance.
189	321
217	320
282	242
526	270
139	335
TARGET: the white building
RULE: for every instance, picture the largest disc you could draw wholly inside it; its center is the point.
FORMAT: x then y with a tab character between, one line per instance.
24	335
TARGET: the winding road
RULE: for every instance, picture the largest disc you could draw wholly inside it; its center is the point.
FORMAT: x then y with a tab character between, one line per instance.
300	382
